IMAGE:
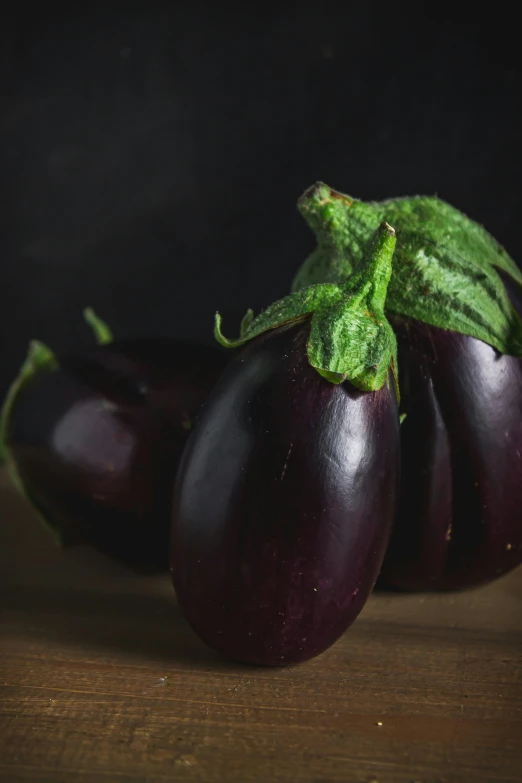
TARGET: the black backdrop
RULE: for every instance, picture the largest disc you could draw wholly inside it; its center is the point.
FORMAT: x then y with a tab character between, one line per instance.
150	160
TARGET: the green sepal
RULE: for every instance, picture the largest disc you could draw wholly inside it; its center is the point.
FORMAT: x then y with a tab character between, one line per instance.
352	338
293	307
441	288
101	331
347	343
444	266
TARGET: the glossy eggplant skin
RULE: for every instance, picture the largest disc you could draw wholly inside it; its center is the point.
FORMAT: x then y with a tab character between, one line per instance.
459	521
97	441
283	504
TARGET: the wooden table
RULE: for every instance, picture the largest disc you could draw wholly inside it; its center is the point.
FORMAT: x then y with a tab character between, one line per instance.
103	682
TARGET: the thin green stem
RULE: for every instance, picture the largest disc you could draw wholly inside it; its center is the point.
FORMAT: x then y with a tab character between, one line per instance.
101	331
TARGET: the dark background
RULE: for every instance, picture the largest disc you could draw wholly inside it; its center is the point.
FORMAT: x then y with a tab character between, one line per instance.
150	161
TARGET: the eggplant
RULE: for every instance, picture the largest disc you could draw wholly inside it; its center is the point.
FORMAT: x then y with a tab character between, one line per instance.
287	488
283	504
94	438
459	519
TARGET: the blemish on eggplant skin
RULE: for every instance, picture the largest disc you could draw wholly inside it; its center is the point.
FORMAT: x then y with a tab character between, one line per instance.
509	546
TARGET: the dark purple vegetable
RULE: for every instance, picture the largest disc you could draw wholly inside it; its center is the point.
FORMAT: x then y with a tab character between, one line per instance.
459	521
283	505
95	439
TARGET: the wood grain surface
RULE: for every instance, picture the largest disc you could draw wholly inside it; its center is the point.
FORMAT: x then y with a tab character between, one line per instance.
102	681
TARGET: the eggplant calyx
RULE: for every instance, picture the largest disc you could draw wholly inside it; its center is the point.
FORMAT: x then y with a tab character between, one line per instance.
444	268
101	331
350	338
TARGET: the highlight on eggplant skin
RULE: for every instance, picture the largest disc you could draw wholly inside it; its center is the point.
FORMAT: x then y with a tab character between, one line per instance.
96	442
459	521
283	504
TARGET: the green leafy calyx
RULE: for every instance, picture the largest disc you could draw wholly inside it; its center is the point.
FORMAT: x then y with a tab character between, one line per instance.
444	267
350	338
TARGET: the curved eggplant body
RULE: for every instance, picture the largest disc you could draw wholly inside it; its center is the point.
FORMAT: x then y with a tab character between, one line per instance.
459	521
283	505
96	441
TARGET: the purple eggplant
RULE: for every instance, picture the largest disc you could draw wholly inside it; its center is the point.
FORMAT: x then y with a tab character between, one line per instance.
94	439
283	504
459	521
